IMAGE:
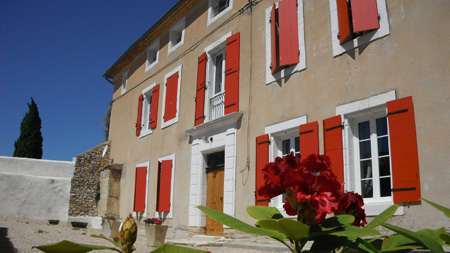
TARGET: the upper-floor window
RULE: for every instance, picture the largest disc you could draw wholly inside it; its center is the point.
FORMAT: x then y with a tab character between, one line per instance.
152	55
147	110
123	86
285	41
218	79
357	22
171	103
217	8
176	35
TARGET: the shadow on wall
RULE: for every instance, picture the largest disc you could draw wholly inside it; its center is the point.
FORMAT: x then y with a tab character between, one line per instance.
6	245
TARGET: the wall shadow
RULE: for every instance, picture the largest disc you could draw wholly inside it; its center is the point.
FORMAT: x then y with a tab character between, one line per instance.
6	245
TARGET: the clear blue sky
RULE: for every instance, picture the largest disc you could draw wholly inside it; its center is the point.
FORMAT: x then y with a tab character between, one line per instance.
56	51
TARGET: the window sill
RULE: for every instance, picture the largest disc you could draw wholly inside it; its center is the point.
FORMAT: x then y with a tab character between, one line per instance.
145	133
224	121
375	208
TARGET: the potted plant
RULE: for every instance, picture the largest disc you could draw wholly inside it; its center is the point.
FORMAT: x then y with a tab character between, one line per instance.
155	231
110	224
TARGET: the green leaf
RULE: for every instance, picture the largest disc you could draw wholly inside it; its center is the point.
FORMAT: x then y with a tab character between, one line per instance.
238	224
176	249
263	212
394	241
72	247
293	229
328	243
445	210
382	217
425	237
118	244
353	232
337	221
445	237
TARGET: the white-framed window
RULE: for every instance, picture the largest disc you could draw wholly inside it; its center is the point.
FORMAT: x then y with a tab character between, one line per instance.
215	79
284	139
176	35
357	39
171	97
152	55
123	86
367	156
141	188
299	64
218	8
147	110
165	186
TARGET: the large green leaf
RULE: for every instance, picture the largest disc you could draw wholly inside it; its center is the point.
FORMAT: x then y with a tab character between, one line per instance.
293	229
353	232
328	243
72	247
165	247
263	212
445	237
239	225
396	240
445	210
337	221
117	244
426	237
382	217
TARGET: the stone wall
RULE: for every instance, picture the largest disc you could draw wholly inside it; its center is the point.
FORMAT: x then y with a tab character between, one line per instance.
85	189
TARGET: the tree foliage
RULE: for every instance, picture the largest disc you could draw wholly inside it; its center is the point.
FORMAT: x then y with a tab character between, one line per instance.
29	143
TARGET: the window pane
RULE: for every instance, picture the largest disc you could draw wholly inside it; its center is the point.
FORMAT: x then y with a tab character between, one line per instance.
384	166
366	169
218	78
286	147
367	188
385	186
364	149
383	146
364	130
297	146
381	126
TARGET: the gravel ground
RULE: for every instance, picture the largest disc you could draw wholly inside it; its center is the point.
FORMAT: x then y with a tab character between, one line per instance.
20	235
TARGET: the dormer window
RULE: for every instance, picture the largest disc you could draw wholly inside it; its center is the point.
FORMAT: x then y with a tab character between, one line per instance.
176	35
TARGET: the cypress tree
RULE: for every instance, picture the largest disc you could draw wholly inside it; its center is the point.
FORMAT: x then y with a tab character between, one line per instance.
29	143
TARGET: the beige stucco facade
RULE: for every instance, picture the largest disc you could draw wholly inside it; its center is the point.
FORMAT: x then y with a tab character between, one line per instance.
411	60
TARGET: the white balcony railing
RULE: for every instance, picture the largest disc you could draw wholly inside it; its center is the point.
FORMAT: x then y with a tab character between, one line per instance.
216	106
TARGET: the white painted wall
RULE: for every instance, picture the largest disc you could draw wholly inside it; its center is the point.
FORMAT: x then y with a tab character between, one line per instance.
35	189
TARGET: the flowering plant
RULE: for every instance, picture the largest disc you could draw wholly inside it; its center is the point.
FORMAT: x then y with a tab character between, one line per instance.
154	221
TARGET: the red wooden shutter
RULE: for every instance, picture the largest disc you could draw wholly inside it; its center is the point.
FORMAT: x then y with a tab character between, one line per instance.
262	158
170	110
200	97
273	38
309	139
404	155
288	35
364	15
165	186
232	74
139	189
154	107
139	115
332	138
344	21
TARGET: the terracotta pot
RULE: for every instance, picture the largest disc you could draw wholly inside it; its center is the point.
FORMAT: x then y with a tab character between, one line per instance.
156	234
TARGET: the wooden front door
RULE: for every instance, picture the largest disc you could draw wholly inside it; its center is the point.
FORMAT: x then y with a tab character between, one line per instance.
214	199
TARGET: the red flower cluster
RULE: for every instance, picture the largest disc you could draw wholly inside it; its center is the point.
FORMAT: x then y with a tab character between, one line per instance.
155	221
312	189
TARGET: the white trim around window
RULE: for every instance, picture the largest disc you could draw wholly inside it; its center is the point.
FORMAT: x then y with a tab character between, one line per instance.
277	133
213	15
145	164
176	35
169	214
174	120
339	49
146	110
353	113
152	55
301	65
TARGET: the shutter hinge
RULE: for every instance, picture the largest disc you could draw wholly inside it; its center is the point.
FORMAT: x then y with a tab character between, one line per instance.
334	127
403	189
305	132
399	111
